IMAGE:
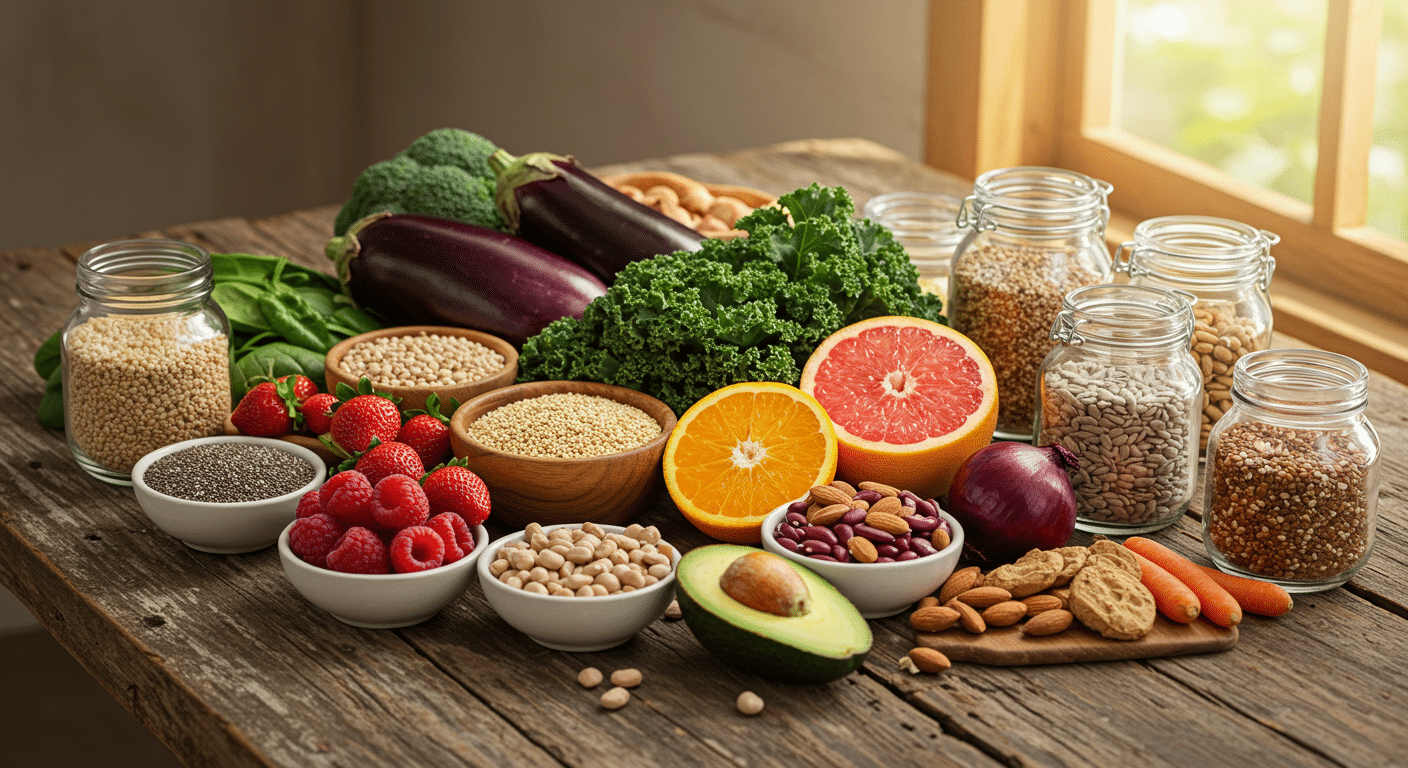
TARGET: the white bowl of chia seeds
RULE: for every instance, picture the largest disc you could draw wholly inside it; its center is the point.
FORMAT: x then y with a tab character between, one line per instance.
226	494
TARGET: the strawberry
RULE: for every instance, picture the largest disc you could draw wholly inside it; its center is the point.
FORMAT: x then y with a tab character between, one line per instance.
387	459
303	387
317	413
454	488
363	418
264	412
429	436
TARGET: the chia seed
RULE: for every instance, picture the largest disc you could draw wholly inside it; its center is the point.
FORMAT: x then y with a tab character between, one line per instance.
228	473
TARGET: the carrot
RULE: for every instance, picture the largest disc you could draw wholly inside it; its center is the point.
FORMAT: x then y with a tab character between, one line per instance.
1218	604
1255	596
1173	598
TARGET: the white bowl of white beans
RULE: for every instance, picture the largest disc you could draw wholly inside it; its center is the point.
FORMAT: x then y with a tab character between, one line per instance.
605	605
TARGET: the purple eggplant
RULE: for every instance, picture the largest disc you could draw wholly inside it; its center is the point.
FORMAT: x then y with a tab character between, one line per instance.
423	270
553	202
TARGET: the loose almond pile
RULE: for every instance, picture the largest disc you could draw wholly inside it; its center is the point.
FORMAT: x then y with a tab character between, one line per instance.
711	210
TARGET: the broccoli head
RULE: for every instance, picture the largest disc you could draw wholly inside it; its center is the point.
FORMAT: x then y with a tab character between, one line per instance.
443	173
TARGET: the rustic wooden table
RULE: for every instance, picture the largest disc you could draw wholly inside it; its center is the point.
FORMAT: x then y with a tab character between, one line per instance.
229	666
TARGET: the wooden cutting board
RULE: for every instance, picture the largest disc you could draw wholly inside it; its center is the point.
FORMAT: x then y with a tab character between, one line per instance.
1008	647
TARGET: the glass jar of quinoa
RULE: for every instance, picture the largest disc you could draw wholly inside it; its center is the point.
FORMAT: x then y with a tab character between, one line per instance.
1035	234
1293	471
145	354
1228	266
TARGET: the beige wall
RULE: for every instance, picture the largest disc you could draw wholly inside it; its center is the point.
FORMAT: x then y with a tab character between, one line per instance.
122	116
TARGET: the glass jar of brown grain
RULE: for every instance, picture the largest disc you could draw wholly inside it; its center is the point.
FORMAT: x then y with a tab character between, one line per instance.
145	354
1035	234
1293	471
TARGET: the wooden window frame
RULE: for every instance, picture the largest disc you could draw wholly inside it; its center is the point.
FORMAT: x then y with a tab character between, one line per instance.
1030	82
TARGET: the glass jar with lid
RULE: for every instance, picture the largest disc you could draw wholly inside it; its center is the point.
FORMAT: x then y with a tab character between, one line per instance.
1033	235
926	224
1228	266
145	354
1293	471
1122	394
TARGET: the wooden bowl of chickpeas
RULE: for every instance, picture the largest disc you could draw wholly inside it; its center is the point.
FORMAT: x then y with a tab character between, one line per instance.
412	361
564	451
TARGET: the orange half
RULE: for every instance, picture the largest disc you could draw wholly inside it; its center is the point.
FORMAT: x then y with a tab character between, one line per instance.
742	451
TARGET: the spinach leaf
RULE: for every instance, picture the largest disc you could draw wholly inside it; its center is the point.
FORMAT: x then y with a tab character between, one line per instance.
48	356
51	406
240	301
272	361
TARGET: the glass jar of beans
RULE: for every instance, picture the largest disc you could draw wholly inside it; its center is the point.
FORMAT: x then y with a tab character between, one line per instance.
1293	471
1121	392
145	354
1228	266
1034	235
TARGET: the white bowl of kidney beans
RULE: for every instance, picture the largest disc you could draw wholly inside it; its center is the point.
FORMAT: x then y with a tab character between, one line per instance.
883	572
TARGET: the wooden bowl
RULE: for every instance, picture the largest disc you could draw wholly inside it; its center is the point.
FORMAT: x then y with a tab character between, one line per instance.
311	443
413	398
610	489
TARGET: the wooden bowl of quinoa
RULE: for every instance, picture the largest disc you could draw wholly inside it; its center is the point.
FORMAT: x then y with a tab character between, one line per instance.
564	451
411	361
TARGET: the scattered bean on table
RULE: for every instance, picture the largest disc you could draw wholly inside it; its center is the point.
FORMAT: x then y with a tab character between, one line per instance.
566	425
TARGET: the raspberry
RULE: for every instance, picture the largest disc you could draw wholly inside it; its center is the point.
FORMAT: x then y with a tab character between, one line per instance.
311	504
398	502
313	537
347	496
417	548
459	540
359	551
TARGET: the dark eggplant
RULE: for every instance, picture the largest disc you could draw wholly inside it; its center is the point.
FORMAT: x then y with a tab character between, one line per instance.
553	202
423	270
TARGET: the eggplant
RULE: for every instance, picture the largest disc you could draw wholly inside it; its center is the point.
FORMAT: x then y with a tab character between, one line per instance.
553	202
424	270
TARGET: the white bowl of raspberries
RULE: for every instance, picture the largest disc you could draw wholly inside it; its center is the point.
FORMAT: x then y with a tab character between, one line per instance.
391	553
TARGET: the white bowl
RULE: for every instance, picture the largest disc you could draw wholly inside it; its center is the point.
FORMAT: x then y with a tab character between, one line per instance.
223	528
381	600
877	589
577	623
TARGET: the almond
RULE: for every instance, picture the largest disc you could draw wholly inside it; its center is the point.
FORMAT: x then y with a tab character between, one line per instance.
968	616
929	660
884	521
1004	614
843	485
1048	622
928	601
940	539
935	618
1042	603
862	549
889	505
827	515
860	504
982	597
960	581
880	488
826	495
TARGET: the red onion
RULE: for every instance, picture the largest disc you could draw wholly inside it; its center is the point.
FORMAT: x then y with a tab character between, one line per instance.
1013	497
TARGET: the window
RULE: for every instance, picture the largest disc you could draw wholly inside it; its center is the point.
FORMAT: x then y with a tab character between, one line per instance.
1047	82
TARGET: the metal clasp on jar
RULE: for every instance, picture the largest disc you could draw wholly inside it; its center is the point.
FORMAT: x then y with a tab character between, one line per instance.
970	214
1268	262
1063	329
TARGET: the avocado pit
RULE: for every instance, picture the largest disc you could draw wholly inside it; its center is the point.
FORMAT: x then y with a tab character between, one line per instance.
765	582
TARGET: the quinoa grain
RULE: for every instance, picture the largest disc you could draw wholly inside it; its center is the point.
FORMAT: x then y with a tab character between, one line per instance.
566	425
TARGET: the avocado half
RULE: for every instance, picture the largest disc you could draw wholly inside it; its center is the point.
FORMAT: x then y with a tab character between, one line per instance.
826	644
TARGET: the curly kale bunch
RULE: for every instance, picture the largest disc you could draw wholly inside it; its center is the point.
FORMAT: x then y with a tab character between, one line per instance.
444	173
682	325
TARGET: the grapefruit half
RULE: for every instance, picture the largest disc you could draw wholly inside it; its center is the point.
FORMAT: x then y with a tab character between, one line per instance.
910	399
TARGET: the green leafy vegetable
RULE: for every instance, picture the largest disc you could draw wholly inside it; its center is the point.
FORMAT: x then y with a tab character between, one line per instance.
682	325
270	361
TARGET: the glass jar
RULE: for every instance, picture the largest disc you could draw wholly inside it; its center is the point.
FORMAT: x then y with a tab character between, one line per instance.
1293	471
146	354
1121	392
1034	235
926	224
1228	266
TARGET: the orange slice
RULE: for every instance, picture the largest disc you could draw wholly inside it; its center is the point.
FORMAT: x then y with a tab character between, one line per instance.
744	450
910	400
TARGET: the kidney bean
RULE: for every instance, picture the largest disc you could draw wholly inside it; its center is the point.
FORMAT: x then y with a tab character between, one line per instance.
827	558
853	516
796	519
887	550
798	507
902	542
813	547
785	531
921	523
843	533
908	499
788	544
874	534
923	547
903	556
927	508
841	554
819	533
884	559
869	497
